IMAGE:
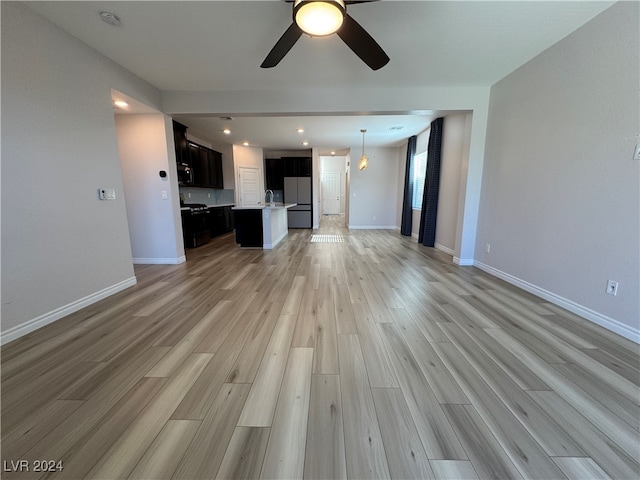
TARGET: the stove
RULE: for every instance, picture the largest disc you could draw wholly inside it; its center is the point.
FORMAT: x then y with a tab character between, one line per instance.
195	207
195	224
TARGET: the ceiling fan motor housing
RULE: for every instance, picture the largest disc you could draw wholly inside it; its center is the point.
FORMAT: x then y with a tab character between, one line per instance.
319	18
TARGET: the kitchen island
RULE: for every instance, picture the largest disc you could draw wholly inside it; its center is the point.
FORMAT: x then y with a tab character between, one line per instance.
261	225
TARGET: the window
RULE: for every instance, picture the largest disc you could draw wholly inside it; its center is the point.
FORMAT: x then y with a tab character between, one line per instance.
419	173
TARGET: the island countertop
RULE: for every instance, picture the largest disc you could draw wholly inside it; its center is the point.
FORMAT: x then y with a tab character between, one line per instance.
263	206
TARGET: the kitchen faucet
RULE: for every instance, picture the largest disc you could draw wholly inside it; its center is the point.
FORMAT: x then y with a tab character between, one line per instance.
269	194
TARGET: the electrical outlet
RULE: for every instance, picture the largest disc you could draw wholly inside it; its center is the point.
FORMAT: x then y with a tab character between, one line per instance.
612	288
165	196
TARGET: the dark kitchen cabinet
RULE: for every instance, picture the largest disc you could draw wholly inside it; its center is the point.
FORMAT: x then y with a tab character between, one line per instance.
181	143
199	166
220	220
249	228
274	172
297	166
276	169
216	225
304	166
229	223
291	166
202	170
215	169
206	165
195	228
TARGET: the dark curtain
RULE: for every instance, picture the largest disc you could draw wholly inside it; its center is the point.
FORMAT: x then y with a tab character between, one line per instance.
427	233
407	207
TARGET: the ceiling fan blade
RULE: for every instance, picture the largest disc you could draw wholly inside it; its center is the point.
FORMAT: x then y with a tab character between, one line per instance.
282	46
362	44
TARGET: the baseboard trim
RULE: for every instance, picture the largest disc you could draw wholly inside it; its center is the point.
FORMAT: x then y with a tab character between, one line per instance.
444	249
271	246
463	262
372	227
160	261
611	324
31	325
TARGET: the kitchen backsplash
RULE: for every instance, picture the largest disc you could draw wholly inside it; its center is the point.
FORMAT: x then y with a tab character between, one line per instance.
208	196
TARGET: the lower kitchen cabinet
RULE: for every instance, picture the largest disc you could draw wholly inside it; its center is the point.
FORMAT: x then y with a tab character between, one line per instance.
220	220
249	228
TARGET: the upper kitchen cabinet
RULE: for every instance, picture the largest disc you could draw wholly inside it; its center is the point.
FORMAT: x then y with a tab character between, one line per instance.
199	166
181	144
206	165
274	172
215	169
297	166
304	166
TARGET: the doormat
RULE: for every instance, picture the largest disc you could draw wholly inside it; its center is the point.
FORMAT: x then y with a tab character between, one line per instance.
326	238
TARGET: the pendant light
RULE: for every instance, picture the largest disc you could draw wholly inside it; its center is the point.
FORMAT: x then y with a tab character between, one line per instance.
362	164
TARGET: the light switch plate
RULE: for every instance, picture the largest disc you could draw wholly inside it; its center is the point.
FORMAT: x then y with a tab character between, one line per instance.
636	155
106	194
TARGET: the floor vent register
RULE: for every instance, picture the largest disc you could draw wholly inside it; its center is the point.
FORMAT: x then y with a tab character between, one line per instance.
327	239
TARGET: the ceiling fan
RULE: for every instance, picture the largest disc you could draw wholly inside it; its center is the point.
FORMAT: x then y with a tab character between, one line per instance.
319	18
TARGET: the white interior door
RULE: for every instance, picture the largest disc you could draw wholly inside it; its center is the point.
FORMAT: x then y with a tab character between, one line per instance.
331	193
249	191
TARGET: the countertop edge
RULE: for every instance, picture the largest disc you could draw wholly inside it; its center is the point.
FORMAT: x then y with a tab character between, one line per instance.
266	207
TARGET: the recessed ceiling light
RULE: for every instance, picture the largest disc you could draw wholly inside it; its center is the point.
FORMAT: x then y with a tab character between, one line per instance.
300	130
121	103
110	18
246	144
305	143
226	131
333	153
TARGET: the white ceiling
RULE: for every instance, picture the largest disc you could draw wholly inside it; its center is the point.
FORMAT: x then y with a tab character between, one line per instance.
219	45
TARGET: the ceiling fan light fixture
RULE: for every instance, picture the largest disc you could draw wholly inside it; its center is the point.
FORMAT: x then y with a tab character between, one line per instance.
319	18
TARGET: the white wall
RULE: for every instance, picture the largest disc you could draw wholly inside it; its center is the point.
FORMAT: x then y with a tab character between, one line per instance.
560	190
455	153
155	227
373	192
62	248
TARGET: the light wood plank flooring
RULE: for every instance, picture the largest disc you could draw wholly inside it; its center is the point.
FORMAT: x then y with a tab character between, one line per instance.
370	358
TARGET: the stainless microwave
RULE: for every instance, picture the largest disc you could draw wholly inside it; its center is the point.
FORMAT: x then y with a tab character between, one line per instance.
185	175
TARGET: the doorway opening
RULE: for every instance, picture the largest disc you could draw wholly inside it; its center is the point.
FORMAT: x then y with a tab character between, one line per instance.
333	185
